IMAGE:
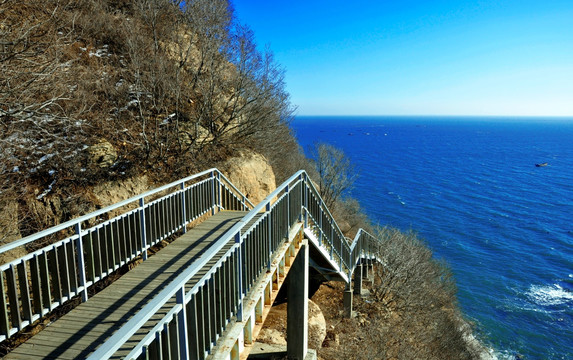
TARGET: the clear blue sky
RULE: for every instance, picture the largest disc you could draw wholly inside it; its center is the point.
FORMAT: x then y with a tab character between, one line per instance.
406	57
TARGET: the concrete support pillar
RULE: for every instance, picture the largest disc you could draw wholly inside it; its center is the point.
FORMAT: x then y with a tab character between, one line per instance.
365	269
370	267
358	280
297	306
347	300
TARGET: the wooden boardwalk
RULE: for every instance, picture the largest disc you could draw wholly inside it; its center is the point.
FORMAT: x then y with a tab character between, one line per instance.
82	330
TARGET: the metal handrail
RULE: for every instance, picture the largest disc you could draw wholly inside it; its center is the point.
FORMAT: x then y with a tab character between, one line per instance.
41	281
71	223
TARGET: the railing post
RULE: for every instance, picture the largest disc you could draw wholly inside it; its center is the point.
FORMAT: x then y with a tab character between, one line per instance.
143	231
81	262
305	200
182	325
213	200
219	197
287	191
268	210
239	272
341	253
183	208
301	195
306	190
320	204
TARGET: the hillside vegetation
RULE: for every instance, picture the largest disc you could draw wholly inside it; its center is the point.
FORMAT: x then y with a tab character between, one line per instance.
95	91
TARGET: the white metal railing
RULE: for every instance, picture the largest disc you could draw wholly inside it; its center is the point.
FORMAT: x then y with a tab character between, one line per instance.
93	246
224	286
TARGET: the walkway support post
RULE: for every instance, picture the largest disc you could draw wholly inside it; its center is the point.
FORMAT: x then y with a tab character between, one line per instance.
297	305
347	300
358	280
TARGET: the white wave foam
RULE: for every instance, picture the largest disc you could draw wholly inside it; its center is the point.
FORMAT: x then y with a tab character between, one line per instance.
550	295
506	355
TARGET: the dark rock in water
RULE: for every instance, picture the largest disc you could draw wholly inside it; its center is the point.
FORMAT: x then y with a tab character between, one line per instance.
541	164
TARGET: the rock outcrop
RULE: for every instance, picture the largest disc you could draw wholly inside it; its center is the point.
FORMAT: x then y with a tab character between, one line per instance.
274	328
9	230
102	154
252	174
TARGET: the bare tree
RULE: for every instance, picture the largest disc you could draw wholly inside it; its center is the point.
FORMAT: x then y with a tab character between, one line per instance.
335	171
418	294
41	133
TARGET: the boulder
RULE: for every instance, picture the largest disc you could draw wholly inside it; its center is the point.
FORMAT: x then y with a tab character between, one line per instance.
271	336
316	326
102	154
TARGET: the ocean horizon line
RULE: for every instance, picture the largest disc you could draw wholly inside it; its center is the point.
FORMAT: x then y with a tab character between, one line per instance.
440	116
446	118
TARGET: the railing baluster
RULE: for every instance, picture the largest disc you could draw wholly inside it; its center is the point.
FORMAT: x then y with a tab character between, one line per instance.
25	291
13	297
98	254
4	321
192	328
218	203
143	230
201	326
82	262
62	259
72	268
45	276
55	273
182	325
239	274
183	209
212	309
36	285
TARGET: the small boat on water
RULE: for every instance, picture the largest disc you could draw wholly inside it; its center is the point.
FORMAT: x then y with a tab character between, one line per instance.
541	164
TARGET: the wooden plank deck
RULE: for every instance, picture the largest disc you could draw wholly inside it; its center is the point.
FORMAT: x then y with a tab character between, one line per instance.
82	330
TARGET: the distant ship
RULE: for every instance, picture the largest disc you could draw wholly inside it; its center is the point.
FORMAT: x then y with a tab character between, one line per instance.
541	164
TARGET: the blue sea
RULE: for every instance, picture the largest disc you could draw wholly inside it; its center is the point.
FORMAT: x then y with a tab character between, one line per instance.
469	187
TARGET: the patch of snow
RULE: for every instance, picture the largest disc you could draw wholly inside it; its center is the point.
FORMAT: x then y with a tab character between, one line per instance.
167	120
46	157
100	52
16	169
47	191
